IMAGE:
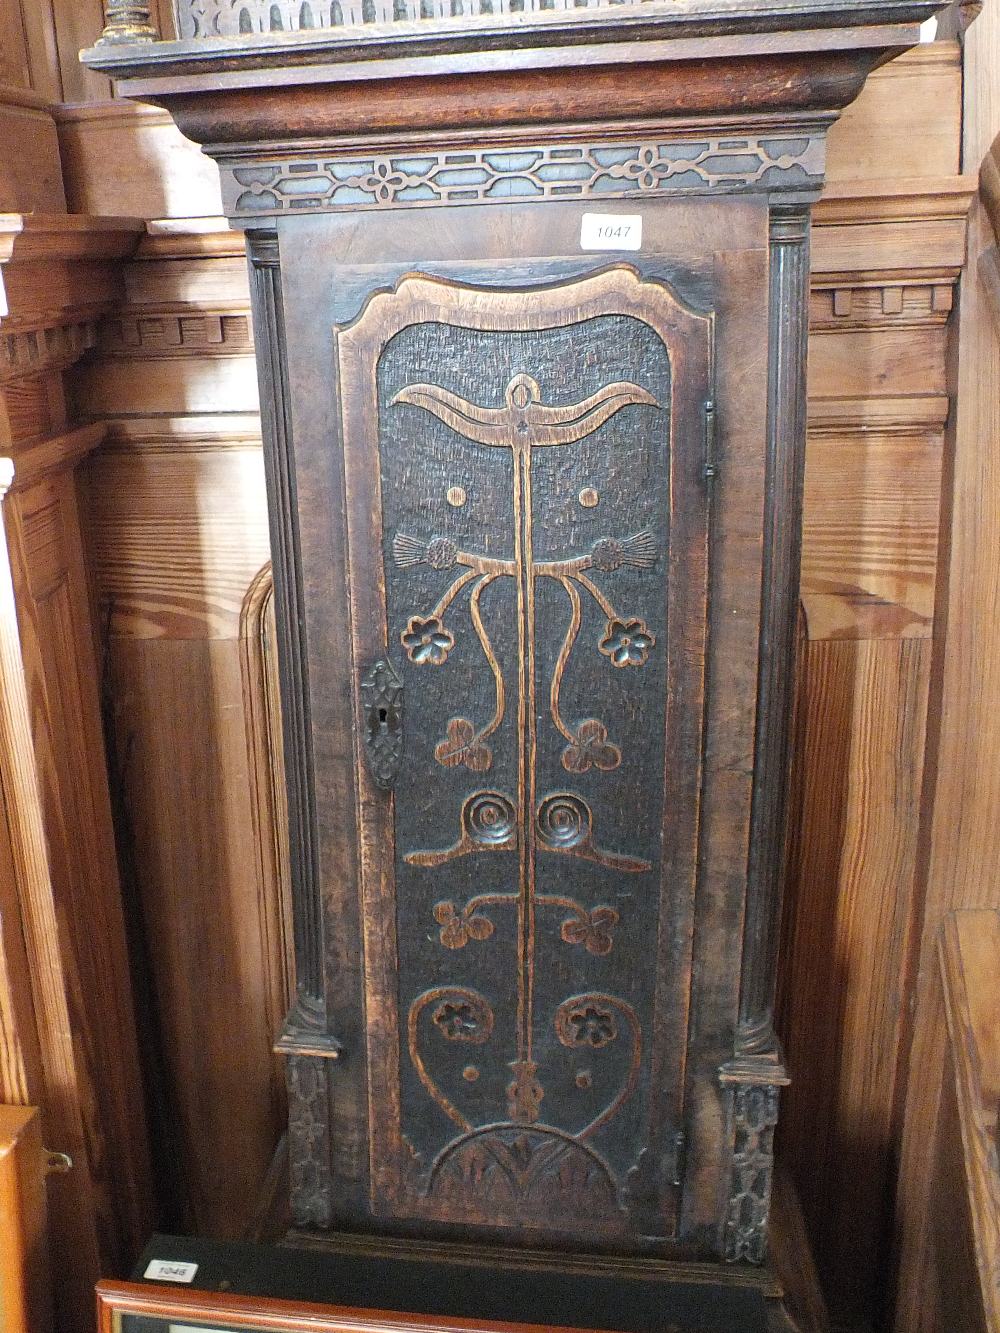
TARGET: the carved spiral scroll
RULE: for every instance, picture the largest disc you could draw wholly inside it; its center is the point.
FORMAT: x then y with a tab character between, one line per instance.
489	824
564	823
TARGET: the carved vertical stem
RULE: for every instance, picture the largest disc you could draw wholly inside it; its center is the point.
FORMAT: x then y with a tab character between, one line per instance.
789	318
265	292
128	21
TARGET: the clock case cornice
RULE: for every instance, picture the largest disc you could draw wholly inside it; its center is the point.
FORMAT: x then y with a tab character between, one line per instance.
683	62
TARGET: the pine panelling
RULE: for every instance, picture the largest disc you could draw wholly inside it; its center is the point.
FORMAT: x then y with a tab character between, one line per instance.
884	266
916	103
967	1227
204	385
38	1032
869	362
176	179
870	530
181	725
30	173
961	848
61	675
25	1287
177	530
176	560
848	911
78	24
58	281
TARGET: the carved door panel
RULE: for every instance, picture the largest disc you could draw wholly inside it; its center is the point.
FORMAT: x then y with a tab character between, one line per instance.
528	524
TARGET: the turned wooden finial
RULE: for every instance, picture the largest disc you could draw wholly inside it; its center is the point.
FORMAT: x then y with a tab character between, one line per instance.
127	21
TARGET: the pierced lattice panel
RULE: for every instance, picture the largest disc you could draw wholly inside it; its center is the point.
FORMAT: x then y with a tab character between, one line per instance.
232	18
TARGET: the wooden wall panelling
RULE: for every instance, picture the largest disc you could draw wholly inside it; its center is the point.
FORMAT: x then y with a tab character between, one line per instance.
269	803
916	102
30	170
850	896
25	1283
78	24
58	278
178	536
39	1056
884	268
966	1223
28	55
960	846
168	175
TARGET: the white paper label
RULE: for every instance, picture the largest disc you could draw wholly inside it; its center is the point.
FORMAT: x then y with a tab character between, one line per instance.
169	1270
611	231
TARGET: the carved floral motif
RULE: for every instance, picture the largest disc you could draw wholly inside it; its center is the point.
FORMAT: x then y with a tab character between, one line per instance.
591	748
463	745
592	930
587	1025
427	640
627	642
457	930
458	1021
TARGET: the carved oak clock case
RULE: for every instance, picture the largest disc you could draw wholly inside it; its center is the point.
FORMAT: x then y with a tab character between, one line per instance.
535	510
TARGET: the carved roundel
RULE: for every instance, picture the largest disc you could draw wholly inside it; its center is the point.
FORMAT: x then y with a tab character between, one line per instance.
564	820
489	818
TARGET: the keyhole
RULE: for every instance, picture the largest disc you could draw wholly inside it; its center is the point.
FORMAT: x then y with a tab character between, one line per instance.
383	718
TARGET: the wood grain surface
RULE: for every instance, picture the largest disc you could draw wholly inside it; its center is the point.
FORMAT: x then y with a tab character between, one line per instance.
25	1270
960	846
78	1052
966	1227
885	257
850	905
869	243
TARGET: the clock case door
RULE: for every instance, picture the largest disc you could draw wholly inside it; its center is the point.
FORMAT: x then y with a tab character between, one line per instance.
526	565
528	519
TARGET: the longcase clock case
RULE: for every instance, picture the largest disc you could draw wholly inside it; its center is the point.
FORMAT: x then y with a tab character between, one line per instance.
535	525
530	586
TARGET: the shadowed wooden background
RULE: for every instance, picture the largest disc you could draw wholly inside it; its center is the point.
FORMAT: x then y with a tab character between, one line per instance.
172	507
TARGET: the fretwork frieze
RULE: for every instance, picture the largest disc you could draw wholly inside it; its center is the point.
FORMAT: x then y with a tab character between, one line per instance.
607	170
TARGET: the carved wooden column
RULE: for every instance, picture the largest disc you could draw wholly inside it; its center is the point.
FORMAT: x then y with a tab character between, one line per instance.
128	21
533	397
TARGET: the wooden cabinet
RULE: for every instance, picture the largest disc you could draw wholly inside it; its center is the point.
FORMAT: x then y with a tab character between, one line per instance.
535	482
528	466
531	641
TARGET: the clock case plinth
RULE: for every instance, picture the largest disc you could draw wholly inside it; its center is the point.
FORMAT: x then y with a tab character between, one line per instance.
399	178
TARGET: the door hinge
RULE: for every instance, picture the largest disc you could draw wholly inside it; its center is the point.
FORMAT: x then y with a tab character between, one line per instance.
711	468
680	1157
